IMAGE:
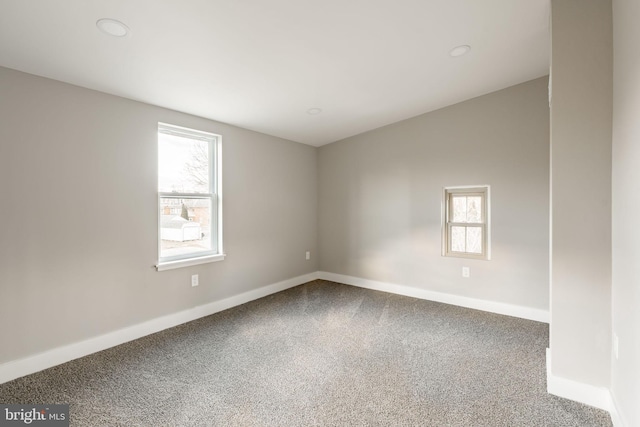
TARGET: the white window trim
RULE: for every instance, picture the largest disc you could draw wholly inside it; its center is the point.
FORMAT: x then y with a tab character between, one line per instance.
486	225
215	195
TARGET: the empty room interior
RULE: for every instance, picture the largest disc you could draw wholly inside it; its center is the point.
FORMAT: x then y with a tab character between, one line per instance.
334	213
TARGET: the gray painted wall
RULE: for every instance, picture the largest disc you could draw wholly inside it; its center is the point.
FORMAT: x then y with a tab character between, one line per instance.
380	197
581	110
79	193
625	374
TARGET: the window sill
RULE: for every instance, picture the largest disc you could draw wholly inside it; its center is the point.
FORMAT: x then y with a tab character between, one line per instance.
170	265
467	256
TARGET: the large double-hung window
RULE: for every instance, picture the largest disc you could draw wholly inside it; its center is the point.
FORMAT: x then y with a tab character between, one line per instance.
189	197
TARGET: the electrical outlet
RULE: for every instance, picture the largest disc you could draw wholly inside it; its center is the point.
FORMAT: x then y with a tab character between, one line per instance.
194	280
308	255
465	271
616	346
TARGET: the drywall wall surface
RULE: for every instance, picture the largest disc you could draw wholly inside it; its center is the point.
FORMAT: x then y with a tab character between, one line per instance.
78	241
381	192
625	379
581	76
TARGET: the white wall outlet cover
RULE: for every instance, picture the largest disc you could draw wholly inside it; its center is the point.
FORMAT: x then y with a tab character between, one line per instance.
308	255
194	280
465	271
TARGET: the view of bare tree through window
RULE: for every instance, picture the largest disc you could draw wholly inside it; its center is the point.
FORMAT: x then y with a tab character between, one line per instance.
466	210
197	167
183	164
184	174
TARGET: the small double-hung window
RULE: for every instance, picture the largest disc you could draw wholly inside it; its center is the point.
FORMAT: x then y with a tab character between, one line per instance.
465	232
189	199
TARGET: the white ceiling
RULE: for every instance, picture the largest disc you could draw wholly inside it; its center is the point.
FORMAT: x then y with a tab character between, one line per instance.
261	64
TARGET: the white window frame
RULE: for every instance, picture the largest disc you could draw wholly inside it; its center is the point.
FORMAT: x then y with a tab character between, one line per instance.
483	191
214	195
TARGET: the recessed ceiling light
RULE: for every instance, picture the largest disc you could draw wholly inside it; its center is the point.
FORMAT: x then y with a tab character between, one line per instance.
314	111
460	50
112	27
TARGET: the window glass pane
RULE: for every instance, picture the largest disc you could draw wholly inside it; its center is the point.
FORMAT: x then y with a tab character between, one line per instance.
183	164
457	239
459	207
474	240
466	209
185	226
474	209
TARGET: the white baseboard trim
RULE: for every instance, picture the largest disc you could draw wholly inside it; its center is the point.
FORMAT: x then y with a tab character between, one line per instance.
598	397
616	416
477	304
31	364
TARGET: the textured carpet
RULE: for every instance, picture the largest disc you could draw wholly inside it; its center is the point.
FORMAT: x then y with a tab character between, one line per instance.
319	354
